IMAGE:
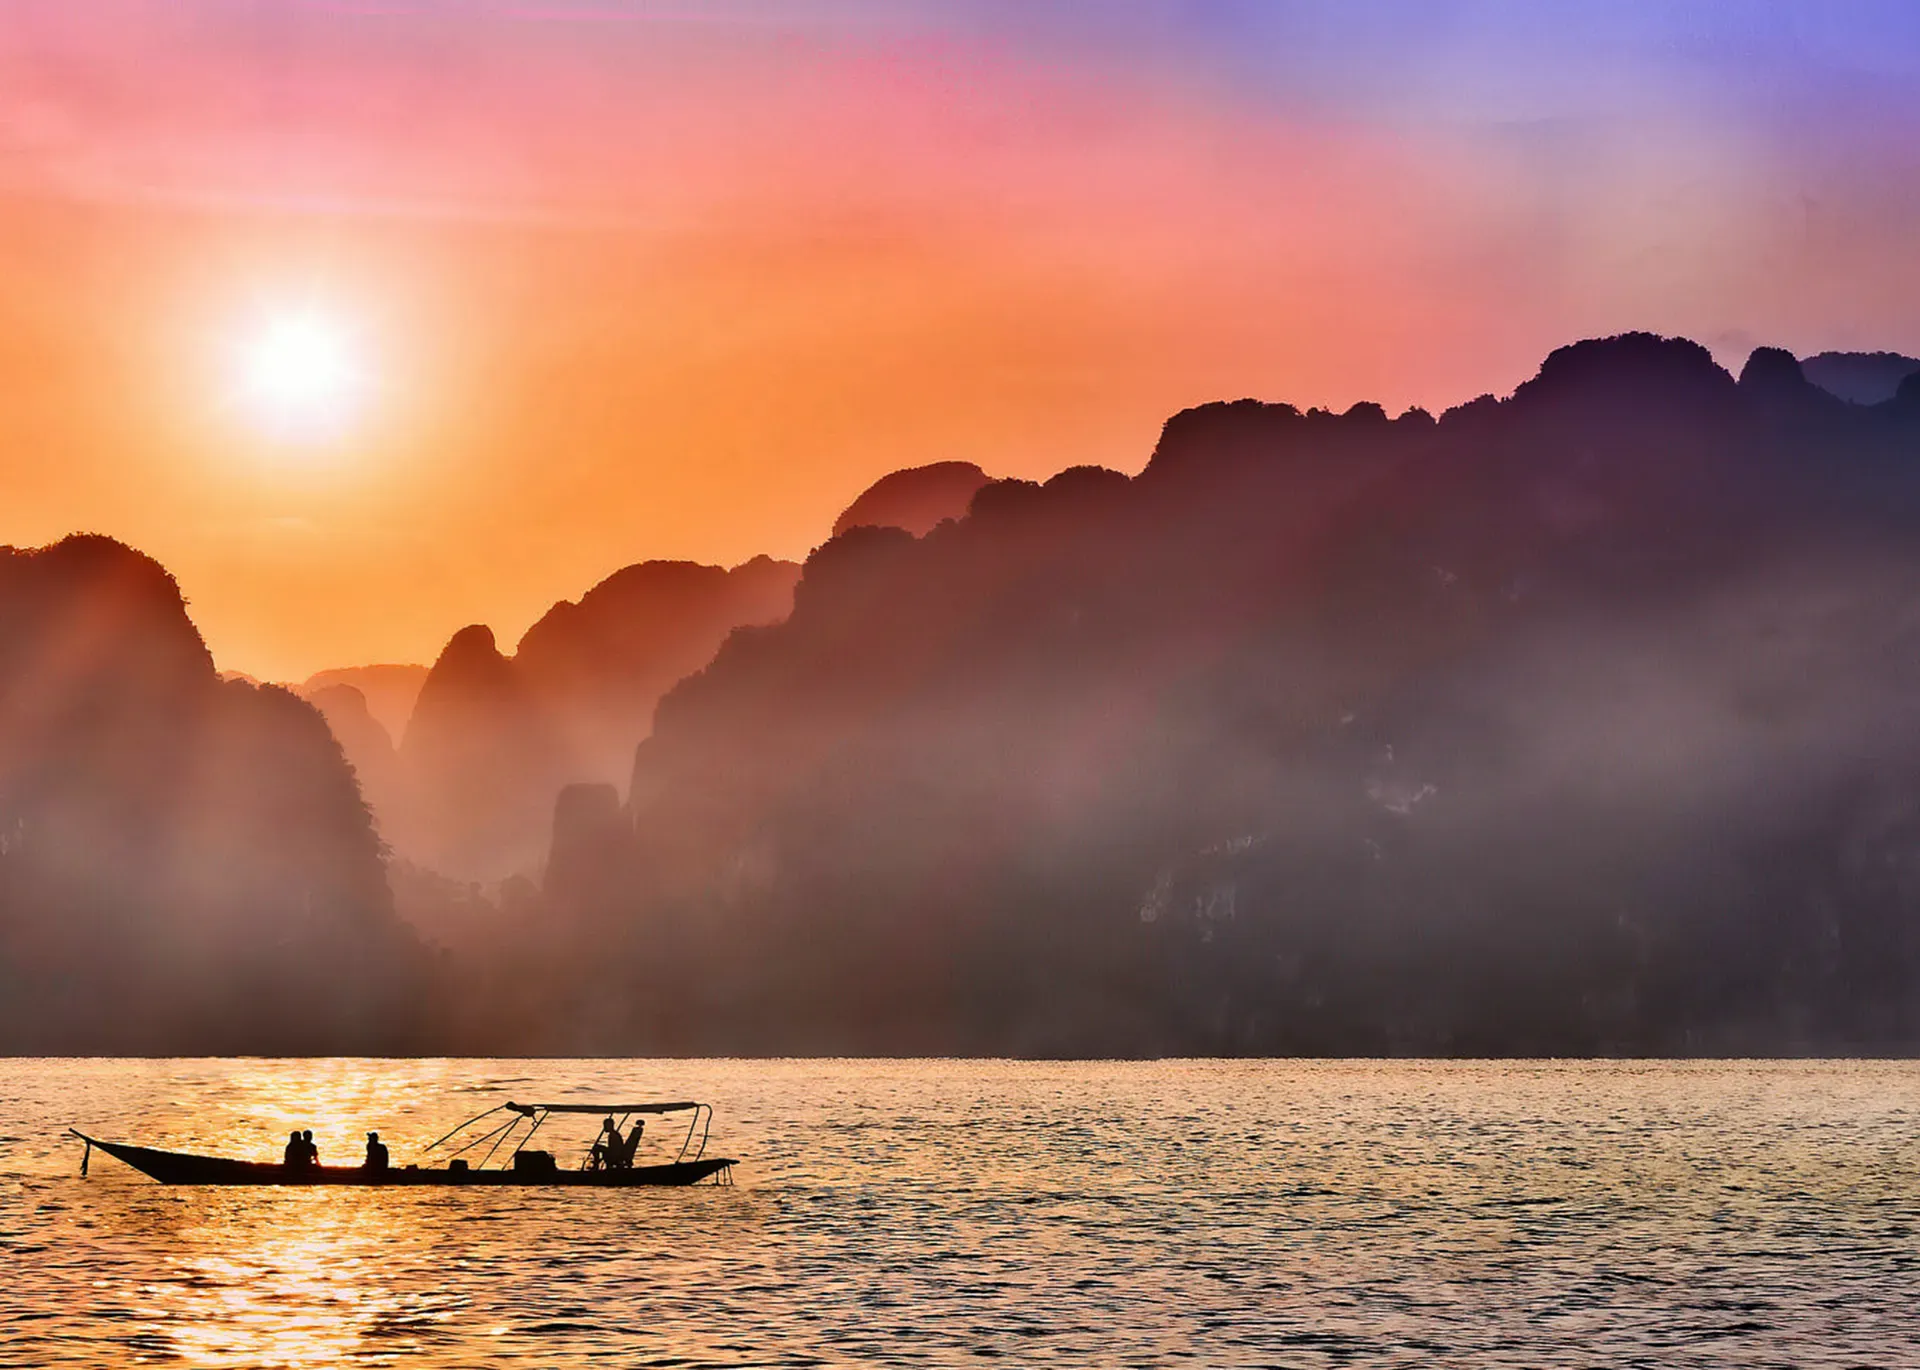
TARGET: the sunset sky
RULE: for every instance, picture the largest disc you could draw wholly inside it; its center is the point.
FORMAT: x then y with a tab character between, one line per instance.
598	281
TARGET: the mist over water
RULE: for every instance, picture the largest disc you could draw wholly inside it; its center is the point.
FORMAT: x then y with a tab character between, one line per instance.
1576	723
944	1212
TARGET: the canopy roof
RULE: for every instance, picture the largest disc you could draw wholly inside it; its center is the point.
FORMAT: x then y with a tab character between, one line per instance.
530	1109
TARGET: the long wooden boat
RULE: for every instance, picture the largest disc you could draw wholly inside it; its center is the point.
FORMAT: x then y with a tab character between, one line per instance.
521	1166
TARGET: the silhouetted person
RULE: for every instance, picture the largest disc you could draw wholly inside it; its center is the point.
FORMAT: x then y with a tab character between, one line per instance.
296	1152
631	1145
309	1152
606	1147
376	1152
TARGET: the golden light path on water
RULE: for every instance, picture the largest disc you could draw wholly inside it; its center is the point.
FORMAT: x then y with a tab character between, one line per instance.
941	1213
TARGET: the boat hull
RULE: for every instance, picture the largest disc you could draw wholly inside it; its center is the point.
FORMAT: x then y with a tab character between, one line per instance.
175	1167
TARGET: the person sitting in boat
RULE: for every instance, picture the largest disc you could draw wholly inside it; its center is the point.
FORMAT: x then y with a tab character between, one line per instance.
310	1154
376	1152
296	1152
606	1147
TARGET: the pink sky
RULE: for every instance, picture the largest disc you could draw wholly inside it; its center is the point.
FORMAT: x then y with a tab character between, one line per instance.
640	280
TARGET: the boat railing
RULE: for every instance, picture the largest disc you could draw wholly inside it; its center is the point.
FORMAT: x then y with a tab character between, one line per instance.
702	1119
692	1147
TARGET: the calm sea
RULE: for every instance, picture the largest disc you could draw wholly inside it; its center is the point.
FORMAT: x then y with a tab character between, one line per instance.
945	1213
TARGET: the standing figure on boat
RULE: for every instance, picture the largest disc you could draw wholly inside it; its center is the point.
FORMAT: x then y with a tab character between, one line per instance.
376	1152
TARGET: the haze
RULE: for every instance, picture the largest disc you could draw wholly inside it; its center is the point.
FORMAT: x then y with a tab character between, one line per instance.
665	280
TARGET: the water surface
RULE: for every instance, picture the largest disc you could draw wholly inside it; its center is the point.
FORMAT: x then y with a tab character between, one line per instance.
946	1213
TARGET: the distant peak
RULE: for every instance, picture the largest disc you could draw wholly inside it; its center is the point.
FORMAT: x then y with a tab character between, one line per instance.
762	564
916	499
348	698
1776	384
656	575
1642	362
113	592
476	639
94	556
1232	427
1861	377
1771	366
470	654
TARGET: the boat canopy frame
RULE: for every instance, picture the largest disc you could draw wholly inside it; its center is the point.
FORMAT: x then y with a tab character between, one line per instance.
537	1114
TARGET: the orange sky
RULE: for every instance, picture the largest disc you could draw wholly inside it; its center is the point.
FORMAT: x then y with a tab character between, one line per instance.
642	280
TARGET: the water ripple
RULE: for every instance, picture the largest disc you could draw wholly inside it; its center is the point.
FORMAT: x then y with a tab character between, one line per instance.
948	1213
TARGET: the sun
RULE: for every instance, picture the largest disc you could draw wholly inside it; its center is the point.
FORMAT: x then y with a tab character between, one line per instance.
302	375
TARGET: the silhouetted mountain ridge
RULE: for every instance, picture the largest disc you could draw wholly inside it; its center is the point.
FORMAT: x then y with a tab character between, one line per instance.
388	690
1325	733
1585	720
494	739
1861	377
185	864
916	499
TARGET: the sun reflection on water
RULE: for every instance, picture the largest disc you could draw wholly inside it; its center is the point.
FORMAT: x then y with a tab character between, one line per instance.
329	1276
311	1286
